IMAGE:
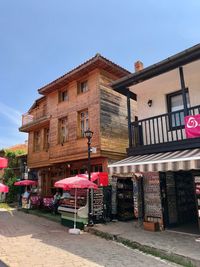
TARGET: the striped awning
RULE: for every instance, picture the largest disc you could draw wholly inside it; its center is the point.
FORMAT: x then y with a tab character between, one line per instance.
168	161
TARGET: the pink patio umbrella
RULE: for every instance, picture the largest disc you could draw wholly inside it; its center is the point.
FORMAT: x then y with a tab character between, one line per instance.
25	183
4	188
3	162
75	182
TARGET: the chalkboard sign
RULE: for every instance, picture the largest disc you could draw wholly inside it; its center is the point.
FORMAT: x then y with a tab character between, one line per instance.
152	198
97	207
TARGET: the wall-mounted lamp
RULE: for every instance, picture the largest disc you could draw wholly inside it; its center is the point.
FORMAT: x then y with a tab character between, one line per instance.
150	102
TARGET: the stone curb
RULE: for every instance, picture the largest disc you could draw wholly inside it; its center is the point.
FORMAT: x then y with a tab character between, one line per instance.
163	254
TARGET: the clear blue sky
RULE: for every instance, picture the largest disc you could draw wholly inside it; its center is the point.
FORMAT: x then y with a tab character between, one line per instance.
43	39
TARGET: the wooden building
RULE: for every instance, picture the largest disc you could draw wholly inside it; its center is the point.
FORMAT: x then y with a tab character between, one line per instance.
76	101
162	159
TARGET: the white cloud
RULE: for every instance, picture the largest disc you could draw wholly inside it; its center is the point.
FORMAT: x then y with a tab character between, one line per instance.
10	113
12	139
9	133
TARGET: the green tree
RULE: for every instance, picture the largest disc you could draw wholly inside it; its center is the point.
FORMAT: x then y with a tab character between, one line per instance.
10	174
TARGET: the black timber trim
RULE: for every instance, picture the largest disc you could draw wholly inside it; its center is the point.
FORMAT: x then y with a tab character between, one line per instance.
164	147
169	107
183	89
161	67
129	118
125	91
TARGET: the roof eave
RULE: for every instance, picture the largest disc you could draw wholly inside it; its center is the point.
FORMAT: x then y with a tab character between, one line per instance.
161	67
50	87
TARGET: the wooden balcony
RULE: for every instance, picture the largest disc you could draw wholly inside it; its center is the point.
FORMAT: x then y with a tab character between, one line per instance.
37	119
161	133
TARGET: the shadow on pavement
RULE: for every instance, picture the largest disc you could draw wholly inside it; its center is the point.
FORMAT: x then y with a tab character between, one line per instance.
85	246
2	264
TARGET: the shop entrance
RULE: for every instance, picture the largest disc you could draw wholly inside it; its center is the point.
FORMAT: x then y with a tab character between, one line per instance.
125	205
179	201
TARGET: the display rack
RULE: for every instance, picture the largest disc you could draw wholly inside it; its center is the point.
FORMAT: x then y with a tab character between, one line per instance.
69	200
125	207
197	193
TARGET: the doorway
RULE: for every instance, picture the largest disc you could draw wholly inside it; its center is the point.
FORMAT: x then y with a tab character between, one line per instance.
125	204
179	201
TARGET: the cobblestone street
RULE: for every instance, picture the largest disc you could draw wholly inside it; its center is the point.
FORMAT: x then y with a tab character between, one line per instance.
27	240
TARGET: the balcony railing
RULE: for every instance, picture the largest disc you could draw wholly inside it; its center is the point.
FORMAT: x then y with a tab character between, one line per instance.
162	129
37	115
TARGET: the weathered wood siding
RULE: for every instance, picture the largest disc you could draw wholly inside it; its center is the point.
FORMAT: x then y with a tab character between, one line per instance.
113	119
39	158
107	119
76	147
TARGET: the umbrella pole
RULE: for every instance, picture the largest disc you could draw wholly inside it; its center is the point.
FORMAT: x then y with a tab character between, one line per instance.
75	209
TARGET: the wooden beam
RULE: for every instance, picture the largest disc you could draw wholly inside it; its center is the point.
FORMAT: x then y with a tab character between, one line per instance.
183	89
129	118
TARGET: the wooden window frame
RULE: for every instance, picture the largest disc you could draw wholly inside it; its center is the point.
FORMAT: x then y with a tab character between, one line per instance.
169	108
61	97
46	139
83	122
84	89
97	168
62	139
36	147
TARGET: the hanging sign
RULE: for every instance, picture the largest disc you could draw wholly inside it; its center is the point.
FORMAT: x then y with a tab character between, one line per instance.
192	126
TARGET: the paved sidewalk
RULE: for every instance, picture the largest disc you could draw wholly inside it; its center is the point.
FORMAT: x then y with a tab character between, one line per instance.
166	243
30	241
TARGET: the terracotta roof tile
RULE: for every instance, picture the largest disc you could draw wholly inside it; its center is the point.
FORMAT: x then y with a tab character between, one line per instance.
23	147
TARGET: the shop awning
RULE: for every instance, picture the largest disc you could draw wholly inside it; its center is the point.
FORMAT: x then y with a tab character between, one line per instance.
168	161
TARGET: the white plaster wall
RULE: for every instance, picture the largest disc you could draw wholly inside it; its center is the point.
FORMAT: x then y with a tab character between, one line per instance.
157	88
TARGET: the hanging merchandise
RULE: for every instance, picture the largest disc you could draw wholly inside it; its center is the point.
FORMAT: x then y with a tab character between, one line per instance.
197	191
125	206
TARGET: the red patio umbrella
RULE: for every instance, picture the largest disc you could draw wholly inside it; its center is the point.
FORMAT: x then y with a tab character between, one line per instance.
75	182
3	162
25	183
4	188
